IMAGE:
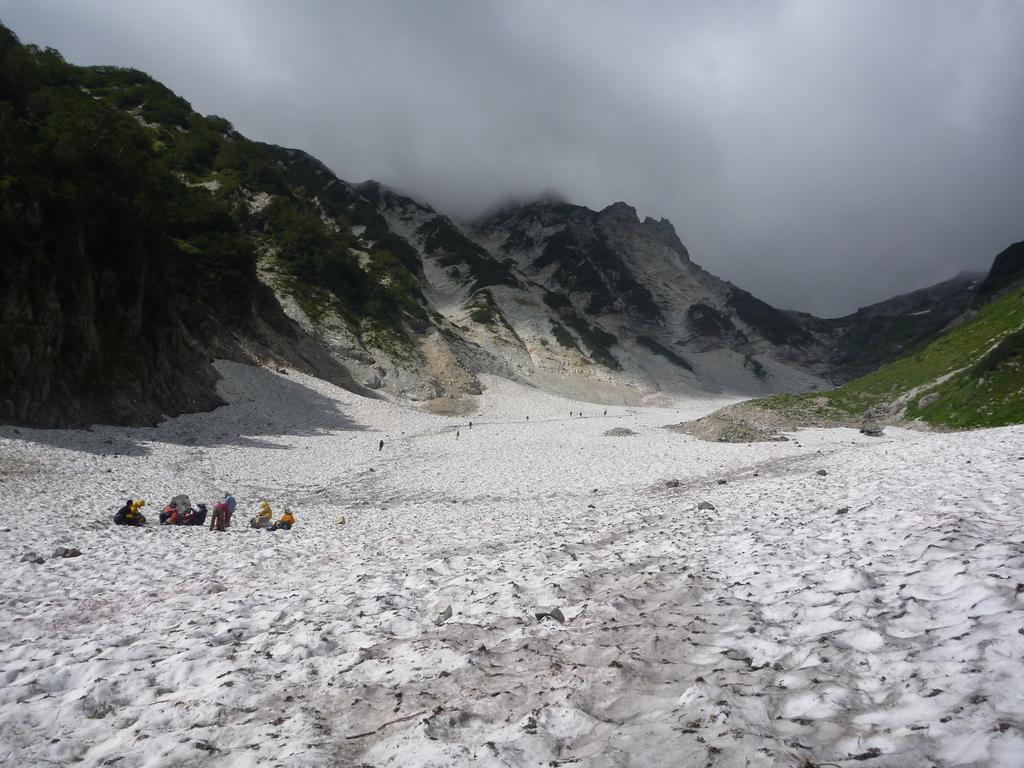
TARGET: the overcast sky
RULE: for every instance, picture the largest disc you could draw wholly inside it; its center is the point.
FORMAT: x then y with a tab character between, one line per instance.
823	155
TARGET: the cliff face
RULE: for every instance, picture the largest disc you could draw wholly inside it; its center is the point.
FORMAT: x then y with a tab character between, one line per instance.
1007	271
117	280
87	322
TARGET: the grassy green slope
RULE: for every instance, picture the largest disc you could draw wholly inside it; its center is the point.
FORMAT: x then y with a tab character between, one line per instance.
971	376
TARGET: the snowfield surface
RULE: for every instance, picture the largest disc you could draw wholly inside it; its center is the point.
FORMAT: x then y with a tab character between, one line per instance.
870	616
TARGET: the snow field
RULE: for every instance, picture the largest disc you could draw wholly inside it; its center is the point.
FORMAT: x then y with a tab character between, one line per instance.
775	628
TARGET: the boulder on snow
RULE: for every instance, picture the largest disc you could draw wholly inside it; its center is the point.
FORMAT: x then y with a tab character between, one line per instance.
842	510
822	472
872	430
619	432
706	505
671	483
440	613
553	613
66	552
724	428
32	557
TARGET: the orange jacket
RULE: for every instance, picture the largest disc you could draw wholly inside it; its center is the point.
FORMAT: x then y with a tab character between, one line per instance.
287	517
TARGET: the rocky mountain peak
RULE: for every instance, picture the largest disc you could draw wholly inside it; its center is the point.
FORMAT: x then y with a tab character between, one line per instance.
622	211
662	230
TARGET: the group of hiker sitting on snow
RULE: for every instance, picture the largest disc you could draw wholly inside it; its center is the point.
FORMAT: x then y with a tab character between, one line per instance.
180	512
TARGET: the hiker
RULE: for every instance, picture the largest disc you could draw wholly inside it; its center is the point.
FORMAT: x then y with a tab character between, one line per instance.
129	514
230	503
285	523
471	425
170	515
456	434
174	512
606	413
220	515
263	517
165	514
381	446
195	516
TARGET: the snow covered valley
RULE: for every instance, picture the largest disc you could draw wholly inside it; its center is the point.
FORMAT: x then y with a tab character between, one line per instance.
848	600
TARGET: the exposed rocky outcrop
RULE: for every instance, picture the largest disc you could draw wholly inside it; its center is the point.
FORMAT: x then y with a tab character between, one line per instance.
1007	271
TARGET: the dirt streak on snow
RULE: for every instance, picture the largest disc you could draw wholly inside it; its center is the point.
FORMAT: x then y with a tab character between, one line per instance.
875	608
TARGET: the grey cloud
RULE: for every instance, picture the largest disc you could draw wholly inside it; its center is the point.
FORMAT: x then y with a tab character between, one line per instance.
821	155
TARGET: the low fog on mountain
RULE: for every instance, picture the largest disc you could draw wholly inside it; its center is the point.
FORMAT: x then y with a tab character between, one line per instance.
823	156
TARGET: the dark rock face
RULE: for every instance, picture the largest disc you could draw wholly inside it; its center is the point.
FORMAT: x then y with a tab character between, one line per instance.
119	281
1007	270
708	321
882	332
774	324
90	333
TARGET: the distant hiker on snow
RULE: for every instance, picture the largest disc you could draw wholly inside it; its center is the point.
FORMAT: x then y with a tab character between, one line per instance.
285	522
263	517
381	446
129	514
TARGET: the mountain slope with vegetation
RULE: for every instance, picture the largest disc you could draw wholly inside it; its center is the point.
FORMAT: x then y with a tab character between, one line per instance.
970	376
135	235
141	240
877	334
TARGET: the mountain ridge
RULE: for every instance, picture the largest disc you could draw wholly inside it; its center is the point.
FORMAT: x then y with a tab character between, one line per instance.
226	247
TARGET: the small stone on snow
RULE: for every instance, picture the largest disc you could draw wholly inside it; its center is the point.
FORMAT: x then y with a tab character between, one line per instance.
441	612
554	613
